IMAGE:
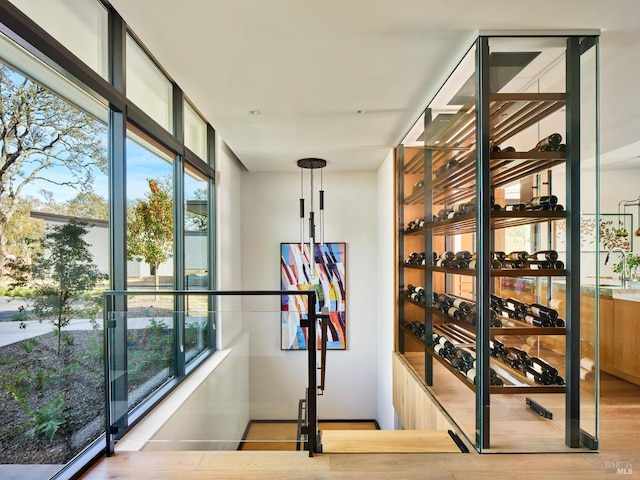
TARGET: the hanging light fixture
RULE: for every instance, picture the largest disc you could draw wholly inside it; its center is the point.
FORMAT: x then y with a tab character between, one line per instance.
314	237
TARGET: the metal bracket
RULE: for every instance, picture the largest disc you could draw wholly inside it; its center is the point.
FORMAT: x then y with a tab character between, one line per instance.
539	409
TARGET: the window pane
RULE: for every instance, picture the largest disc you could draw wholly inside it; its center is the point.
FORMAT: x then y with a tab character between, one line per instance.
196	253
149	89
150	214
81	26
195	132
150	253
53	171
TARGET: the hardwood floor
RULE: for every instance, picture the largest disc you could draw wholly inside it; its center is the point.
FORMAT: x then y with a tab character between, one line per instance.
619	437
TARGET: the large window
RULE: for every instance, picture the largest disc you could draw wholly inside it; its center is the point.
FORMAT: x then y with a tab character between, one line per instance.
53	214
150	251
70	184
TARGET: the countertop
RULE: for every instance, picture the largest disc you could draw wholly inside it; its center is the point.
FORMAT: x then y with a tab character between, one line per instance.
630	293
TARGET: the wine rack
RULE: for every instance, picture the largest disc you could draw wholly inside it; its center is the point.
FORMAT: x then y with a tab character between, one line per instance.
458	160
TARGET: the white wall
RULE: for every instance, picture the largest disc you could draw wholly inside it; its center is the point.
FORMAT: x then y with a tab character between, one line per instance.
386	292
270	215
615	185
228	241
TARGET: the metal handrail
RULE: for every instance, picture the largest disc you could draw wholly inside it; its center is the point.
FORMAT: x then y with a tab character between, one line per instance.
310	323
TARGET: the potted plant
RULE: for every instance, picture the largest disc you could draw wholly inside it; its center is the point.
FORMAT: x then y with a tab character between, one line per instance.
633	262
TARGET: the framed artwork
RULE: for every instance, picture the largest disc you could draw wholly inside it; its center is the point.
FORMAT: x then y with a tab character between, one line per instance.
329	281
612	228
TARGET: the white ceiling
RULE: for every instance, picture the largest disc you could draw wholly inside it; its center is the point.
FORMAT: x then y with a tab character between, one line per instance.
308	65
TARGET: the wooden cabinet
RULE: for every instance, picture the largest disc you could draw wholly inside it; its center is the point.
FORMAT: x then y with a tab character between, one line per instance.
626	339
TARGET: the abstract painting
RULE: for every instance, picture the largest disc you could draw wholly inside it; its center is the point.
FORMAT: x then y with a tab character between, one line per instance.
328	279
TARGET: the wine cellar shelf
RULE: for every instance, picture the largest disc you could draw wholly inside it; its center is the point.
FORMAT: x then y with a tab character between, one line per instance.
450	175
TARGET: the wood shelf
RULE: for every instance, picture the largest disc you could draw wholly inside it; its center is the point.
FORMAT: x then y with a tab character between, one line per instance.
499	272
461	337
466	223
413	302
459	183
520	328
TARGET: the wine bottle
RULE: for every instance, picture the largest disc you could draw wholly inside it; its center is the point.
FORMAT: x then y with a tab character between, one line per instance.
455	313
509	263
543	367
552	140
540	265
449	164
544	200
518	255
512	360
544	311
462	304
496	300
537	321
509	149
471	375
446	299
448	255
516	305
549	255
500	256
559	323
535	376
444	263
464	255
522	355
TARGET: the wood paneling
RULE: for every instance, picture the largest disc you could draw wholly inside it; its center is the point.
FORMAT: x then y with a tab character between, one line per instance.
626	339
413	404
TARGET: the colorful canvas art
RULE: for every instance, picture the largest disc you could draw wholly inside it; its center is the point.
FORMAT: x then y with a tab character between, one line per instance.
329	281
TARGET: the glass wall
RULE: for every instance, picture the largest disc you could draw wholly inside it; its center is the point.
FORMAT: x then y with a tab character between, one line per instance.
53	220
61	151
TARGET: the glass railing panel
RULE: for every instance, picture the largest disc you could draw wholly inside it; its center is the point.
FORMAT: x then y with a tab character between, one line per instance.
249	395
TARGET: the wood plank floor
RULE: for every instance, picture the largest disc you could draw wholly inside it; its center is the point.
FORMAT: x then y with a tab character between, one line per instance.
281	436
619	435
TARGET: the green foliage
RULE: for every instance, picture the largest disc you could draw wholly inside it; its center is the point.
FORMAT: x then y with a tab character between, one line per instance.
16	292
48	419
150	235
29	345
149	353
41	131
68	339
633	261
64	275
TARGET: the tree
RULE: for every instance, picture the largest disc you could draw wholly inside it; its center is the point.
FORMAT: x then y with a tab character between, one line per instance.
150	229
63	274
196	220
23	233
87	205
39	132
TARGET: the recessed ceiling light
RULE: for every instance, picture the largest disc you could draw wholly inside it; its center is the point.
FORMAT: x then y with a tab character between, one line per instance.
255	112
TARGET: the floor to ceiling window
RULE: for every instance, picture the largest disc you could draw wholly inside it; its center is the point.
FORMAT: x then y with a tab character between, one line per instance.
60	246
54	254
